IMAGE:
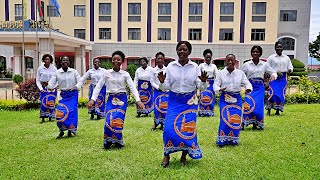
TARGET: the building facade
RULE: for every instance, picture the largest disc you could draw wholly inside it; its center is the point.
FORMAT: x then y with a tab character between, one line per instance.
145	27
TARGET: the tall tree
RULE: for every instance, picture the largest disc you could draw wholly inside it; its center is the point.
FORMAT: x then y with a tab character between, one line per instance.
314	48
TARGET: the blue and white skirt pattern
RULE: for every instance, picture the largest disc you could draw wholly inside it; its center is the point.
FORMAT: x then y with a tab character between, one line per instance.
230	118
160	106
207	100
277	93
146	96
47	104
99	105
180	132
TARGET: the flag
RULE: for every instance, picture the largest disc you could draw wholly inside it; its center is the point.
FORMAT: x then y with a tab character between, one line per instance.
40	9
56	4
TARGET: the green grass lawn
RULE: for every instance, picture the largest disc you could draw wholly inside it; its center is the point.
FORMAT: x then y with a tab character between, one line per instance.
288	148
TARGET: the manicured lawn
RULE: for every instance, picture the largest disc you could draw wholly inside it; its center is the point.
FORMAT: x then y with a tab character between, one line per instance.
289	148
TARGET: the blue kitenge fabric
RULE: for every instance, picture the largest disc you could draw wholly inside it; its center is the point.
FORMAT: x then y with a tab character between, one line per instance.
47	103
160	106
253	107
230	118
67	111
116	108
277	93
180	132
207	100
99	105
146	96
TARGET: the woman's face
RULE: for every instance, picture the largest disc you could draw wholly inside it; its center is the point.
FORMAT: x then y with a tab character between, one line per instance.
96	63
230	61
279	49
116	61
47	60
160	60
143	63
65	62
183	52
207	58
255	53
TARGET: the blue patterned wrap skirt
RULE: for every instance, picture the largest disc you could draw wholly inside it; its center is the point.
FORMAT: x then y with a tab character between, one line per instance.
180	132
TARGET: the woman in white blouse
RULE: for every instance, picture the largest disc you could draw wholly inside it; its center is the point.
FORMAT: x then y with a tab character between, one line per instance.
207	97
160	97
142	80
116	80
229	82
66	79
253	111
95	74
280	63
47	98
182	79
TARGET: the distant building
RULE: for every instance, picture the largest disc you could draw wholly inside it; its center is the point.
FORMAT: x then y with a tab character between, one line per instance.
144	27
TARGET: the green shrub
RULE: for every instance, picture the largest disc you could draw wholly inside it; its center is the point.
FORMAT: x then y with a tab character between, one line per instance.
297	64
106	65
17	78
131	69
305	73
82	102
298	68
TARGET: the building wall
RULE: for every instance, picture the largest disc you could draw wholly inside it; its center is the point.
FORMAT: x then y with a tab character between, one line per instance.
2	11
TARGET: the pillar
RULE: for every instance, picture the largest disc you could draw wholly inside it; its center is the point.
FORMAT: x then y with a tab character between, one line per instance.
80	60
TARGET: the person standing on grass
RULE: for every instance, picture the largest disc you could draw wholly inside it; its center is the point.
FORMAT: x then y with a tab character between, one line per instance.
116	80
66	79
142	80
281	64
182	79
207	97
160	97
228	83
47	98
253	112
95	74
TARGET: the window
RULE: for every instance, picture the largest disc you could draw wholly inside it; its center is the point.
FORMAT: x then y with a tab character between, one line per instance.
258	34
164	34
79	10
195	34
288	15
104	11
287	43
18	12
105	60
52	11
226	34
80	33
226	11
195	12
29	62
164	12
134	12
259	11
134	33
291	56
104	33
3	65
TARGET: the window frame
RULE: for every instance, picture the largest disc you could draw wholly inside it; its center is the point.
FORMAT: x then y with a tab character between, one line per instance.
166	37
136	32
134	12
164	17
107	34
288	19
105	17
261	35
81	35
259	16
222	35
79	8
193	35
195	16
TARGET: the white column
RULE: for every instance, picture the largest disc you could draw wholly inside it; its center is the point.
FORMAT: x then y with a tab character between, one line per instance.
80	60
17	58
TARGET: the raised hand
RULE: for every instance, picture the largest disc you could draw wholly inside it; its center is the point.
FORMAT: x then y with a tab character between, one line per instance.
161	77
140	105
90	104
203	76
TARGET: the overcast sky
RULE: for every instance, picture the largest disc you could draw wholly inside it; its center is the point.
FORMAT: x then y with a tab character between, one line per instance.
314	20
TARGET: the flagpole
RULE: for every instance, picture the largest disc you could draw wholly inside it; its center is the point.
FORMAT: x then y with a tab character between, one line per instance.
23	53
37	39
50	27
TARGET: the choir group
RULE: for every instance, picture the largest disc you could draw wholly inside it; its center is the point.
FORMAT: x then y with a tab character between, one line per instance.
177	94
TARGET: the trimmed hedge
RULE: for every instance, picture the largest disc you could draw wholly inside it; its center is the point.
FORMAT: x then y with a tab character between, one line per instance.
297	64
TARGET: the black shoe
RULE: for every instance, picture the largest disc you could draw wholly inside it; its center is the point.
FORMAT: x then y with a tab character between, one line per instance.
277	113
138	114
92	116
119	146
60	135
42	121
268	112
98	117
50	119
107	146
254	127
69	134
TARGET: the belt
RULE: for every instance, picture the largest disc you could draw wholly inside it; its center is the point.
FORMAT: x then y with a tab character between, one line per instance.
211	78
183	94
119	93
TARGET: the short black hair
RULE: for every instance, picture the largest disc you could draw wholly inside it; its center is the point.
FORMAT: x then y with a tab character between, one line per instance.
120	53
159	53
47	55
259	49
206	52
143	58
276	44
231	55
95	59
189	46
